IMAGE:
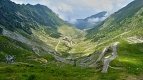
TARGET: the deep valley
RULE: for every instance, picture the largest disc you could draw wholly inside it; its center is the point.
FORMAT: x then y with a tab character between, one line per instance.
35	44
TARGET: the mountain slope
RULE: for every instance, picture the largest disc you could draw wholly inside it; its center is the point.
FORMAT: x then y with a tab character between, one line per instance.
124	26
41	30
24	17
90	21
127	19
31	29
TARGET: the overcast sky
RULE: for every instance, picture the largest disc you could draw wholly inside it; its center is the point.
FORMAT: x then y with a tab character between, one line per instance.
78	9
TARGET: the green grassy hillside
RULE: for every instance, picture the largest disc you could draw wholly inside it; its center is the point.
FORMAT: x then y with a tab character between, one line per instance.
127	19
48	48
129	60
24	17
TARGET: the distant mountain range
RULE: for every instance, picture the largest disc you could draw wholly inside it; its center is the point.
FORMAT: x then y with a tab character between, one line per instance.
90	21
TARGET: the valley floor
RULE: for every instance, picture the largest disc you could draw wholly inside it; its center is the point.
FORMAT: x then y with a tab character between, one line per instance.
127	59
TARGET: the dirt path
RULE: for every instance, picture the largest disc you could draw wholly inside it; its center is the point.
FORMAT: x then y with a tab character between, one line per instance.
56	48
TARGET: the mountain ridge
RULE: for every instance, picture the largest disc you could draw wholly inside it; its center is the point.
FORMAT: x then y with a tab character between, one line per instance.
39	28
26	15
117	21
90	21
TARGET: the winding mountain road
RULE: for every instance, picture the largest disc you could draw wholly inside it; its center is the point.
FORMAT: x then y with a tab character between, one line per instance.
108	60
102	54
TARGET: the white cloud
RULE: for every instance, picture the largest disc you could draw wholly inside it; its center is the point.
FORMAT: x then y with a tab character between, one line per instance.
72	20
98	4
64	7
71	9
17	1
94	20
45	2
